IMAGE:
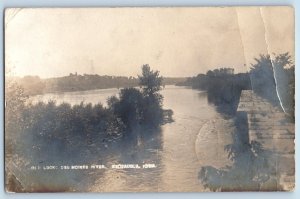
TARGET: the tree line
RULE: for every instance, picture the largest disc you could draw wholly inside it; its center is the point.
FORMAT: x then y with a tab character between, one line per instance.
34	85
271	77
223	88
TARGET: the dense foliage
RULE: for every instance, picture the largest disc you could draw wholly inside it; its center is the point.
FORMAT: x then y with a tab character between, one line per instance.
144	107
223	88
51	131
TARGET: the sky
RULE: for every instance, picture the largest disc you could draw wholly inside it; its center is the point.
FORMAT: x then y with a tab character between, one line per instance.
179	42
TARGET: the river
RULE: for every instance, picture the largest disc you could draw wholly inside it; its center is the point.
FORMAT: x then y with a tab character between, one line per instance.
196	138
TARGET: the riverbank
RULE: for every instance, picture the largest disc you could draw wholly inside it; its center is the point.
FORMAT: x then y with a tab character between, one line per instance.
262	149
274	131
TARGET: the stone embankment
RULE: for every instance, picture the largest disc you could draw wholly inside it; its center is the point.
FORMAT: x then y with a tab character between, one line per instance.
269	126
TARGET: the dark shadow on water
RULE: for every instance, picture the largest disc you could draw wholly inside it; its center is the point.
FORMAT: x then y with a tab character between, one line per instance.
168	116
141	137
225	100
252	169
141	146
224	92
149	136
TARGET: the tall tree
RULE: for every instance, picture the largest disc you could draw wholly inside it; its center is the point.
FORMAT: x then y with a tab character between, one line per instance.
150	81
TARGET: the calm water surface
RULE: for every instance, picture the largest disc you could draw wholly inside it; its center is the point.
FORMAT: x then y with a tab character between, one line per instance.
178	151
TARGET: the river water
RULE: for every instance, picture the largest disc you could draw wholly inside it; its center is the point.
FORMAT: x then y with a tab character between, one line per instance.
195	138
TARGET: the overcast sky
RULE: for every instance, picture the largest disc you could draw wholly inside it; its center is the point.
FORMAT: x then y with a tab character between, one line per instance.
178	42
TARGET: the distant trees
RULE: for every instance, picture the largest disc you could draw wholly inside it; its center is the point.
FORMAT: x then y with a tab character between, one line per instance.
223	88
202	81
220	72
34	85
76	82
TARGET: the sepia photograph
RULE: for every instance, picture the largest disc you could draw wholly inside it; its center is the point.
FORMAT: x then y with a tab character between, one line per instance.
149	99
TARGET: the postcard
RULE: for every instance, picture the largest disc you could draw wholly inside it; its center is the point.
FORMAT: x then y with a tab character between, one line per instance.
140	99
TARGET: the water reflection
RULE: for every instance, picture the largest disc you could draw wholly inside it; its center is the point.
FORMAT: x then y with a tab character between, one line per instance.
140	147
202	95
226	103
